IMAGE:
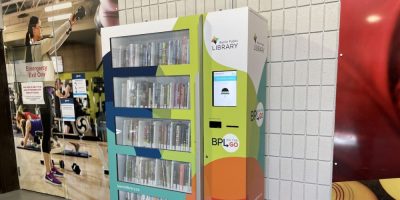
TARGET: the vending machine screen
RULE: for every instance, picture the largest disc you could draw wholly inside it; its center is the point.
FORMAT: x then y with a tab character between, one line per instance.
224	88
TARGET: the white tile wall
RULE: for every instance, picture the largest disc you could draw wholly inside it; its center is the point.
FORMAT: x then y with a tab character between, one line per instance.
276	69
297	191
287	122
287	99
301	73
298	167
314	72
303	19
286	169
310	192
290	3
308	76
317	18
289	47
290	21
285	186
313	99
301	85
287	146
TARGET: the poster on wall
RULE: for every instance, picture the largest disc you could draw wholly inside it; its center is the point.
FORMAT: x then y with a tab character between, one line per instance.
79	85
67	109
87	179
32	93
367	124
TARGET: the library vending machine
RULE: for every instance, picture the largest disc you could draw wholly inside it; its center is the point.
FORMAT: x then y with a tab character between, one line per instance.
152	86
234	77
185	107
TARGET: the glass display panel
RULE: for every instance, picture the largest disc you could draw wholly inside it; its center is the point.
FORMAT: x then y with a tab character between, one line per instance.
166	48
153	133
170	92
166	174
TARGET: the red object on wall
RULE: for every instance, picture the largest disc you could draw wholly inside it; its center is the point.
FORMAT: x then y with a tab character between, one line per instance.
367	130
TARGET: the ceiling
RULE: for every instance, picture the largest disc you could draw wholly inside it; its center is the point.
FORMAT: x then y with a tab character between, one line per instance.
16	14
13	6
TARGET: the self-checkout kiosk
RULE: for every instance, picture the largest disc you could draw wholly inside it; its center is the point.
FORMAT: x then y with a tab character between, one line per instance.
234	74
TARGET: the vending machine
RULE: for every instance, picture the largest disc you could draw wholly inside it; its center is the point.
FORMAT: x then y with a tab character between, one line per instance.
184	107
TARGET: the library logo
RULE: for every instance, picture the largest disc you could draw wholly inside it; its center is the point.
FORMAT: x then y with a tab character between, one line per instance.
225	91
229	142
258	46
258	114
214	40
219	45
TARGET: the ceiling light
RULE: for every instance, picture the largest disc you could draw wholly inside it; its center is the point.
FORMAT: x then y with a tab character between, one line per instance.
58	6
58	17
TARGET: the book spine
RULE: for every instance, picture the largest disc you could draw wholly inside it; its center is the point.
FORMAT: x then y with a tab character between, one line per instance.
177	137
142	126
188	96
171	136
150	98
131	55
145	58
178	52
170	52
121	54
181	176
153	54
183	51
172	181
137	52
188	142
154	101
187	51
189	178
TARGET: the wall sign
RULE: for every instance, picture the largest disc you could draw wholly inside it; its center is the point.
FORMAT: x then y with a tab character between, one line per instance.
67	109
79	85
34	71
32	93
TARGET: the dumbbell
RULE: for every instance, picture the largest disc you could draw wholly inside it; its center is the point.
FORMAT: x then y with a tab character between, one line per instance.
60	163
76	169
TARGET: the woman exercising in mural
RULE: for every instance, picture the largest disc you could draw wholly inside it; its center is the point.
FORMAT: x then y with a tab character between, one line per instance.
28	123
38	50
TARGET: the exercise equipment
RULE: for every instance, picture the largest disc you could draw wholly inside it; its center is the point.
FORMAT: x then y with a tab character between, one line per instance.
80	154
76	169
59	163
100	125
30	148
78	15
82	125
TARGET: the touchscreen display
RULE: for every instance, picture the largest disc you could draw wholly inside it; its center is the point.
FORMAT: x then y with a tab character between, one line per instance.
224	88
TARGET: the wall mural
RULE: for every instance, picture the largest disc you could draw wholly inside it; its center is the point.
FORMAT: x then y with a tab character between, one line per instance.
367	132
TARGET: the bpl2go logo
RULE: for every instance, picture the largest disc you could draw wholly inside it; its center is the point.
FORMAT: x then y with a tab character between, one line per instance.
229	142
258	114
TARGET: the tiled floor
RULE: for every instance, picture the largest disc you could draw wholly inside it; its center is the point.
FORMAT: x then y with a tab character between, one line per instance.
27	195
